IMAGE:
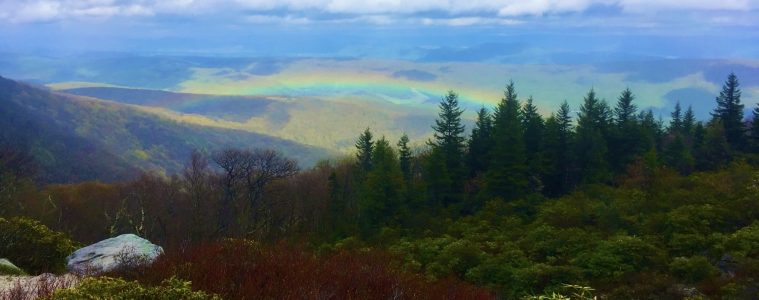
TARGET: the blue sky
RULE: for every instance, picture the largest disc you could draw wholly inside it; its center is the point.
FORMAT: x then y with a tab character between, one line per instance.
511	31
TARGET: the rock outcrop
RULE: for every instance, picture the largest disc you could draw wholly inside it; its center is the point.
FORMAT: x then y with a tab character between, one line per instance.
124	251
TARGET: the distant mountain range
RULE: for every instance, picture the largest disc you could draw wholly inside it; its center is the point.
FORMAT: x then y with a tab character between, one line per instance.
75	138
326	102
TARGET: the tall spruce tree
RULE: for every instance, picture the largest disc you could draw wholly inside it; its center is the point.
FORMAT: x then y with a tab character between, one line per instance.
533	126
591	145
449	144
404	157
480	144
382	202
507	174
676	121
626	110
755	130
557	151
689	122
729	110
364	147
625	137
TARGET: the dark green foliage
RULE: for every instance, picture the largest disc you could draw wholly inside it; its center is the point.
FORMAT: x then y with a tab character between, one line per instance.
692	269
507	175
677	154
448	145
533	126
382	201
715	151
676	122
404	157
557	152
591	144
619	240
729	111
689	121
755	130
34	247
625	140
480	144
364	149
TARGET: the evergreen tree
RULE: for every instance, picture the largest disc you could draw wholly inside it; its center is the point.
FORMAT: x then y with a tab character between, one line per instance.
557	150
625	138
625	111
678	156
730	112
382	193
591	147
364	147
755	129
650	131
449	144
698	145
480	144
533	126
507	174
337	205
689	122
404	157
716	149
676	123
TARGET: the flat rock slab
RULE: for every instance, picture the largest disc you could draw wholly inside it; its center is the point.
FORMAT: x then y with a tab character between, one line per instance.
113	253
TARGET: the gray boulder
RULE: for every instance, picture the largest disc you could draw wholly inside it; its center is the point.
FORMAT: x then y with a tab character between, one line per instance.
8	268
126	250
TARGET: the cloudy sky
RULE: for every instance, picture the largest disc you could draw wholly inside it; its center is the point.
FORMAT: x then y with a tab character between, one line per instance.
421	29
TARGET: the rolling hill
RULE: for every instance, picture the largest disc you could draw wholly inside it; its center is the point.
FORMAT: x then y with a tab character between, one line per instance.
76	138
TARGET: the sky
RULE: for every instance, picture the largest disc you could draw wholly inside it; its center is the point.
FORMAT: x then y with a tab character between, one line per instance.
518	31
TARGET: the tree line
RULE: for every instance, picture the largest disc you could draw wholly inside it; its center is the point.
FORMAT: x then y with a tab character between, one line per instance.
513	153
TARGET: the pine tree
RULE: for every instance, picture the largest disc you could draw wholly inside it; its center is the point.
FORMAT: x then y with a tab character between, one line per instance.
625	139
591	146
557	151
449	144
676	123
404	157
364	147
625	111
480	144
678	156
730	112
507	174
382	193
689	122
716	149
533	126
755	129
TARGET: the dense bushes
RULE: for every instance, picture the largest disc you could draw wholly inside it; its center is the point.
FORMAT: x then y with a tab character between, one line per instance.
34	247
696	231
112	288
241	269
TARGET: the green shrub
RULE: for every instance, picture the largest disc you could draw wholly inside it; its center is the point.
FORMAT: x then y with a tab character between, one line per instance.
33	246
692	269
8	270
116	289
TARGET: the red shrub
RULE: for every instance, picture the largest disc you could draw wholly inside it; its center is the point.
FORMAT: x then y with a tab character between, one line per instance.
240	270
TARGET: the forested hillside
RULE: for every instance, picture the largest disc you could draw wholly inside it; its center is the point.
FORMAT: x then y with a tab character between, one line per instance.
75	139
609	200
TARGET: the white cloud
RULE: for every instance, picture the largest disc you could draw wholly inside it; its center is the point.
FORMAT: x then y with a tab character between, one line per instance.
459	12
470	21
